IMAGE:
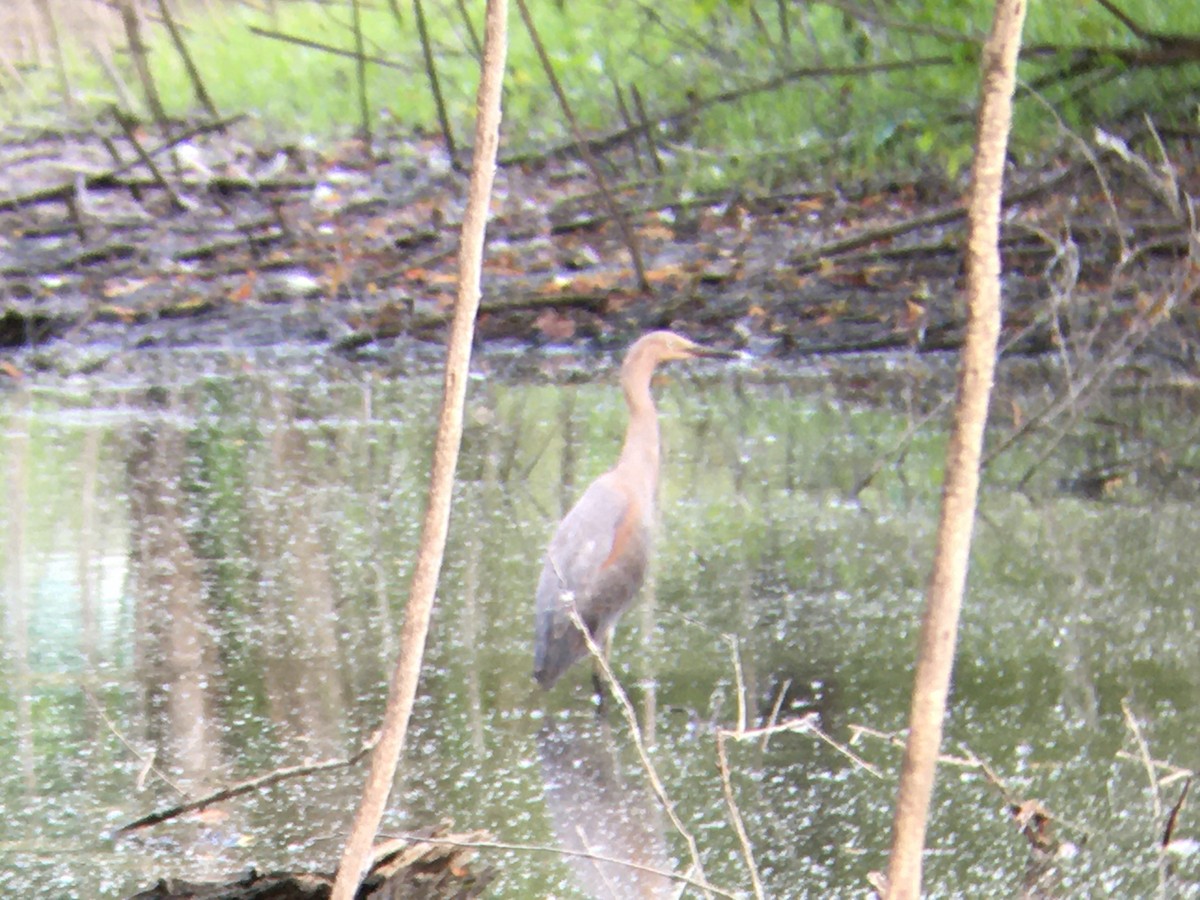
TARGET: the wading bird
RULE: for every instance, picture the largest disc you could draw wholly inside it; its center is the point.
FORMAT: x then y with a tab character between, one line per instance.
597	557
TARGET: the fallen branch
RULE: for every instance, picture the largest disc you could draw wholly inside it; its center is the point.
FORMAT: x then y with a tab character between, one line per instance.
810	260
109	178
146	160
433	864
681	877
246	787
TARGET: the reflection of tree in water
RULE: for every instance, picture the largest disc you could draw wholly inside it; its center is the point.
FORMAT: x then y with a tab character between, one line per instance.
14	647
296	616
594	810
176	656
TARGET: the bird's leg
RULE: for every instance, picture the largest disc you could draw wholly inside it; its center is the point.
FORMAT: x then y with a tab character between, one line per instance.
598	674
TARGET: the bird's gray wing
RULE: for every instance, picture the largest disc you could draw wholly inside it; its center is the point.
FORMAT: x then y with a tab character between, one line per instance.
585	537
578	552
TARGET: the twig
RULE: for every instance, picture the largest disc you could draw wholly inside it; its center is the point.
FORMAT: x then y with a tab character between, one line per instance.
774	717
1136	332
472	32
798	726
678	117
609	887
622	699
739	682
890	25
1143	756
64	77
61	192
810	260
623	109
1174	772
1163	185
137	49
735	816
146	160
1086	149
246	787
783	17
681	877
1160	38
326	48
646	129
406	674
900	446
992	778
632	241
1016	805
1173	817
189	64
1128	341
944	759
147	761
435	86
360	71
1155	797
75	213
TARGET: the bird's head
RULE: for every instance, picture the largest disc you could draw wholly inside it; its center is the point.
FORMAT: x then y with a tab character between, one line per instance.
664	346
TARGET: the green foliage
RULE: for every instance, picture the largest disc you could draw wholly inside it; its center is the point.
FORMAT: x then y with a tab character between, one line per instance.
919	117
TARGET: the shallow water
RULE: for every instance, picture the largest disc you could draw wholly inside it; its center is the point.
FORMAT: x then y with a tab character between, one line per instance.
207	560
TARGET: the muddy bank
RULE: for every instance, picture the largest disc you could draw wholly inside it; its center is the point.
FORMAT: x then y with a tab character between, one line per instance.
204	240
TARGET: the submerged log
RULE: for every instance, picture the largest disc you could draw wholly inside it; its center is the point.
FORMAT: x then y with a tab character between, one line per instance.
430	867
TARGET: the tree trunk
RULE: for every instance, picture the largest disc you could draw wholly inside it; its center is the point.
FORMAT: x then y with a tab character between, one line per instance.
356	854
939	628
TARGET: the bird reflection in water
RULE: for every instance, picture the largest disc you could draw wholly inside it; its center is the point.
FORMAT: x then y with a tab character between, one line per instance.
597	811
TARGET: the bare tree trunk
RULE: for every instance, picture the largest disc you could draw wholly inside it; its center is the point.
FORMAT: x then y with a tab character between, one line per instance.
385	758
435	86
628	232
360	68
189	64
138	51
939	629
17	465
56	48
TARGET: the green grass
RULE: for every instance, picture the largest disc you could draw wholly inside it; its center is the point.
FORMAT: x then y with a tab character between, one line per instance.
911	120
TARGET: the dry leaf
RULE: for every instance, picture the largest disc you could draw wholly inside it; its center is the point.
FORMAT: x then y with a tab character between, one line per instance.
914	314
665	274
123	287
245	290
657	232
555	325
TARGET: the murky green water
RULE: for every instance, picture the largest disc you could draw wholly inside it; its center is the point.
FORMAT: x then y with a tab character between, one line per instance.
206	566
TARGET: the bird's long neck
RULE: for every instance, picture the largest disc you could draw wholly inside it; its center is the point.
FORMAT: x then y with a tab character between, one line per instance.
639	455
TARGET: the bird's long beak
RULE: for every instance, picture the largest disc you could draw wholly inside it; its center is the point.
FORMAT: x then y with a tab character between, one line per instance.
700	351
